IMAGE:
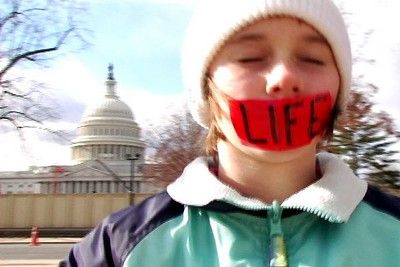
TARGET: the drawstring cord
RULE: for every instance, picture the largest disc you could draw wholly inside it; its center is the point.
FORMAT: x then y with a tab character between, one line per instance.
277	247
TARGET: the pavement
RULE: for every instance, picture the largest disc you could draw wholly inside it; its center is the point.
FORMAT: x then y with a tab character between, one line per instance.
36	262
29	263
42	240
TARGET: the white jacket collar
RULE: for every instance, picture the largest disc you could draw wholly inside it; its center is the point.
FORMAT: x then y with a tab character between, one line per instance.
333	197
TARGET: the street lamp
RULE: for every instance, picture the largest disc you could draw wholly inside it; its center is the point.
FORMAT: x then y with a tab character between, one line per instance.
132	158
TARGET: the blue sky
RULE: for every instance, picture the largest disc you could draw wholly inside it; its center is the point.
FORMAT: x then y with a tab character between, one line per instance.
142	38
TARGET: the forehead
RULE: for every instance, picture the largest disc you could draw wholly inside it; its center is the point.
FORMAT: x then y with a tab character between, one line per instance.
277	26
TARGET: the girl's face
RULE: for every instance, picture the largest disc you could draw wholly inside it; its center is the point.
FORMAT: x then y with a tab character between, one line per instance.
273	58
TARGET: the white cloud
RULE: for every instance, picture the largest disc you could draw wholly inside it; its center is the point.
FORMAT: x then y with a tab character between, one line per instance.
19	155
73	80
149	107
175	2
11	152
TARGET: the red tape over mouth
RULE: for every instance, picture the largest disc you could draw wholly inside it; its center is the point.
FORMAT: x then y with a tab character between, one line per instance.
281	124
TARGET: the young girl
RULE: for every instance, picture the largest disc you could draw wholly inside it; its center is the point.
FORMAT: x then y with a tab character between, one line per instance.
267	78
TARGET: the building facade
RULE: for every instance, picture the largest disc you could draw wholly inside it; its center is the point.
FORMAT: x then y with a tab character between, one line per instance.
108	153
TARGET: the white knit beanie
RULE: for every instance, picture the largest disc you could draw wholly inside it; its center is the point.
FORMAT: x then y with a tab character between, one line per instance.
214	21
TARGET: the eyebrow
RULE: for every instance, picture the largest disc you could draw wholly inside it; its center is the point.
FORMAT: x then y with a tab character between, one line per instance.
316	38
253	37
248	37
308	37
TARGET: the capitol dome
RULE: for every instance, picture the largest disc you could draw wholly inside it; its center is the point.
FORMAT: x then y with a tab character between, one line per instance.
107	130
111	107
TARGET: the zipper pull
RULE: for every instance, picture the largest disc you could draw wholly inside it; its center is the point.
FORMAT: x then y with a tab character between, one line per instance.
277	247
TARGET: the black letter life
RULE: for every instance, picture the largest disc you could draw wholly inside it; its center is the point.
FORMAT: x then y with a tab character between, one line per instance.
247	128
272	121
289	121
313	118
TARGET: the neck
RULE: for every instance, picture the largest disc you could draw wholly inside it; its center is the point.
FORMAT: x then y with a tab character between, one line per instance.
264	176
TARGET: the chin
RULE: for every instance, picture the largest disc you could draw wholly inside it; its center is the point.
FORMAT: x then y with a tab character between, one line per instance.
280	156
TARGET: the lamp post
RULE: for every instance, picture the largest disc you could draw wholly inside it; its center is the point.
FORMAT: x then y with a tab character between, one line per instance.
132	159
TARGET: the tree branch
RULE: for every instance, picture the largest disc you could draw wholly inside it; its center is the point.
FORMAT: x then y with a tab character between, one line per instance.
6	115
6	92
15	14
27	55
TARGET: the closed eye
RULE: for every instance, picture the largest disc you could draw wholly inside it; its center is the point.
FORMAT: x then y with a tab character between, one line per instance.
313	60
251	60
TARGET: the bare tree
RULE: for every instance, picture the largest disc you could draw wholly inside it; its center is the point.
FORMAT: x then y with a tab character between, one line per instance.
172	146
32	33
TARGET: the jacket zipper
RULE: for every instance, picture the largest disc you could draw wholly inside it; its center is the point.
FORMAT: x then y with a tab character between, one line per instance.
277	246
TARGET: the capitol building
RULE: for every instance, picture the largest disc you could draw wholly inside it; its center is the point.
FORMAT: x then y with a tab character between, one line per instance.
108	153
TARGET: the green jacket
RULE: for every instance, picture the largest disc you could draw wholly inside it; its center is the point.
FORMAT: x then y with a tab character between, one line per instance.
337	221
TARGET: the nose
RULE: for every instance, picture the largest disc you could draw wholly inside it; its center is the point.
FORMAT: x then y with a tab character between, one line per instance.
282	80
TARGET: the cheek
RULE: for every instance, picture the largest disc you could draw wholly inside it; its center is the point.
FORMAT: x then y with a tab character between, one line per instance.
326	81
223	76
236	83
